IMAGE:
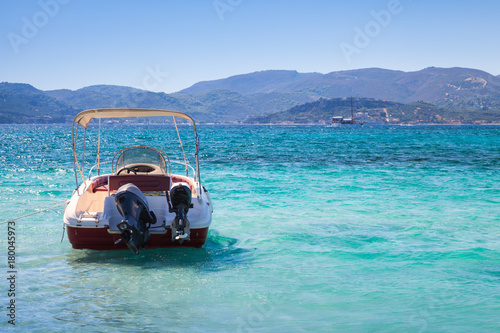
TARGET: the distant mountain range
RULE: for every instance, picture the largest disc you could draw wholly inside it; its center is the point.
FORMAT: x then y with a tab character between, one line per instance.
247	96
446	87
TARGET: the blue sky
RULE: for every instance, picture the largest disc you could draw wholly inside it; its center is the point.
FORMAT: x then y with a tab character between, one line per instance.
170	45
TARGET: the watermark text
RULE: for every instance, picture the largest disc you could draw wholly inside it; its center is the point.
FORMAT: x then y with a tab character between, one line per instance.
31	26
372	29
11	272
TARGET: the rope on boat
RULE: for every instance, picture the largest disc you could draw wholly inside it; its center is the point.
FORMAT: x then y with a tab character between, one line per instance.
98	150
37	212
183	153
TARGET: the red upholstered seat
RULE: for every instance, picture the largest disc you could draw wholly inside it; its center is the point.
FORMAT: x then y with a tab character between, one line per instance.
146	183
99	184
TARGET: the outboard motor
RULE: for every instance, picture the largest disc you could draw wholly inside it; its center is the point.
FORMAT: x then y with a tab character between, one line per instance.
137	218
180	194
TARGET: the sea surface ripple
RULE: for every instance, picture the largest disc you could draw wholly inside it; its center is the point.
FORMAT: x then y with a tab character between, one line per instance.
315	229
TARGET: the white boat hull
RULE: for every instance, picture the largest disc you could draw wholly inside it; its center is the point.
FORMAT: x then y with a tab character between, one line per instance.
91	218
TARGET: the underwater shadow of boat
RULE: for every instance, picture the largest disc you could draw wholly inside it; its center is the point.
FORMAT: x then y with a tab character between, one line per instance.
218	253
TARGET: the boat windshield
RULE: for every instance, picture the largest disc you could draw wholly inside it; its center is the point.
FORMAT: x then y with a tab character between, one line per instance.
141	155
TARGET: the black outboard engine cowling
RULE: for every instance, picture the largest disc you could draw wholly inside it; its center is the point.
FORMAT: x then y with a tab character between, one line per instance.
133	206
180	195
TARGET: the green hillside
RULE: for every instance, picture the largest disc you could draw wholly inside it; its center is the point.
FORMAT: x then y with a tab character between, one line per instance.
455	94
22	103
211	106
374	112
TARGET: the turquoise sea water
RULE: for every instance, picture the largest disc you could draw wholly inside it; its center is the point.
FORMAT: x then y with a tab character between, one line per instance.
315	229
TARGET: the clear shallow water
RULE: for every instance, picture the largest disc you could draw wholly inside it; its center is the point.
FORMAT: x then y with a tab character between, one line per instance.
315	229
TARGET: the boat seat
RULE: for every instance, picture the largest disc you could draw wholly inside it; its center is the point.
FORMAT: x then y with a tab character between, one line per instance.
146	183
100	184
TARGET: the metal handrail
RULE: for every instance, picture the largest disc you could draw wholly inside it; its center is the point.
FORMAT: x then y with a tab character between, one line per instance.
96	166
187	165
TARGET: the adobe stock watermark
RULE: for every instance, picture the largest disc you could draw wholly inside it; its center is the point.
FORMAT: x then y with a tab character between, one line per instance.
32	162
261	313
256	317
439	301
372	29
223	6
30	28
153	78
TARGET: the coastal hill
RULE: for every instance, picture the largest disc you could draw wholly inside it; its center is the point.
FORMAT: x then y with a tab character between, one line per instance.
22	103
240	97
374	111
219	105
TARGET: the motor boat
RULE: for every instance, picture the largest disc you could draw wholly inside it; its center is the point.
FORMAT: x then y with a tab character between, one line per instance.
140	203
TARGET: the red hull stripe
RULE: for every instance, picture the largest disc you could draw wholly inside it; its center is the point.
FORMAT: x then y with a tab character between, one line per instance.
101	239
